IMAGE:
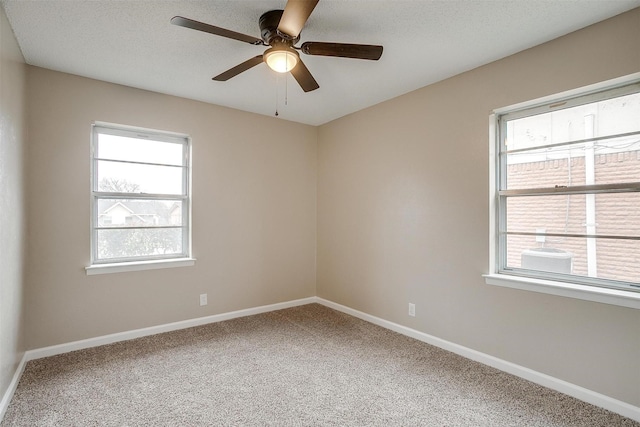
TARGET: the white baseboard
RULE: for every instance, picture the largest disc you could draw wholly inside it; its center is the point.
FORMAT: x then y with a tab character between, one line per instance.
573	390
581	393
153	330
8	394
53	350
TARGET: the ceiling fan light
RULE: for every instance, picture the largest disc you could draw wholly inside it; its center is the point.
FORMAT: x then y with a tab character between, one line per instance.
281	60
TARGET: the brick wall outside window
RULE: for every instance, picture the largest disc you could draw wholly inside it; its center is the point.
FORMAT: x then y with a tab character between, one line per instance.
616	214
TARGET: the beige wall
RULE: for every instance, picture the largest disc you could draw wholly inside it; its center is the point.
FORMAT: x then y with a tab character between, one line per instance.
254	212
403	216
12	234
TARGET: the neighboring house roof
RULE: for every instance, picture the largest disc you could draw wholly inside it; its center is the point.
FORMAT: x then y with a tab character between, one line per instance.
113	206
138	208
150	207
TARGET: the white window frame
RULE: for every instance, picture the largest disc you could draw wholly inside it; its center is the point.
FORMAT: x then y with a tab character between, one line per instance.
183	259
590	289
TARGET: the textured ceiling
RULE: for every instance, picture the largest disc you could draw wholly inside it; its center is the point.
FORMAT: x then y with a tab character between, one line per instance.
132	43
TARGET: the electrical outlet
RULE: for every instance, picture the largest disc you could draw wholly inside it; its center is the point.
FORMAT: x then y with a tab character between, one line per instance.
203	299
412	310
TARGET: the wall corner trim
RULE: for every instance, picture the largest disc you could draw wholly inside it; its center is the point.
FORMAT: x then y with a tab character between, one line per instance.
573	390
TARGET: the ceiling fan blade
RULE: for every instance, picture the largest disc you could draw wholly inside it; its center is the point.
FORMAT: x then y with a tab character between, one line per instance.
201	26
304	78
250	63
343	50
295	15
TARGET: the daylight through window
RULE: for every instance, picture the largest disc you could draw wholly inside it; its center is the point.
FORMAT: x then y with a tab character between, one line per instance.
140	195
568	190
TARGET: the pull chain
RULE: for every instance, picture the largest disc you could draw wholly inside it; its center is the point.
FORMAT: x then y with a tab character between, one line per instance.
286	89
286	86
277	78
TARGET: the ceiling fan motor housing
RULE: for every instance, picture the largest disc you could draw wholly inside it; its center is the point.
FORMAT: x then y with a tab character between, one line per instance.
269	22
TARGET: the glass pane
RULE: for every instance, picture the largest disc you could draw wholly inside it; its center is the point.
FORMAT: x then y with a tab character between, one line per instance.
138	213
611	259
604	118
603	214
136	178
138	150
139	242
601	162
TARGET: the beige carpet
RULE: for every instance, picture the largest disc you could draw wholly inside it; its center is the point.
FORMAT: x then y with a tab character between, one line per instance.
304	366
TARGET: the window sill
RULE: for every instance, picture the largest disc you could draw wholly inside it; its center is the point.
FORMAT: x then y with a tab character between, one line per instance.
138	266
569	290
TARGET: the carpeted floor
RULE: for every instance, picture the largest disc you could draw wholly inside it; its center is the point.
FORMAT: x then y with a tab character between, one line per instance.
303	366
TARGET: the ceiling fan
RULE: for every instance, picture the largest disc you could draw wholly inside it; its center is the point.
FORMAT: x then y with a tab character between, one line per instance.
280	30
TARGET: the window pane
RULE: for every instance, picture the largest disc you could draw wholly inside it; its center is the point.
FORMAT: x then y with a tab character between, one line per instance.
136	178
563	144
146	222
613	214
138	150
604	162
611	259
139	242
138	213
609	117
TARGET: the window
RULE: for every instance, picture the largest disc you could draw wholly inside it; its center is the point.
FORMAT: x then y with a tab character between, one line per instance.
566	205
140	198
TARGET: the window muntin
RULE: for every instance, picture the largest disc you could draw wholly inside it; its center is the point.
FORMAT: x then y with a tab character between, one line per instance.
140	195
568	180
